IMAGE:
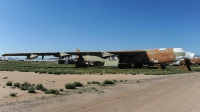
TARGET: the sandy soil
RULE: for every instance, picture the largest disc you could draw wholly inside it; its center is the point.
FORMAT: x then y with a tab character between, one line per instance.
51	82
142	93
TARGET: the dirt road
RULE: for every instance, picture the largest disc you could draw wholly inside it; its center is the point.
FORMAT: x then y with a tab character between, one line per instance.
175	93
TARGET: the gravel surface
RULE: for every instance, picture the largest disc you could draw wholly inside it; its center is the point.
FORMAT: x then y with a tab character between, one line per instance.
174	93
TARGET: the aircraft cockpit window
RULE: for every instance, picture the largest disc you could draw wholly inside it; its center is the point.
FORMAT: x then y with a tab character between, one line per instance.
196	56
162	49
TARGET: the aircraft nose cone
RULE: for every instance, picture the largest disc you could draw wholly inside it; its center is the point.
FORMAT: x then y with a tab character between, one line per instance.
189	55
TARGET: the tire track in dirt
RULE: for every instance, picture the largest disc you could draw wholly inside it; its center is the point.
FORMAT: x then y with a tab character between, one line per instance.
174	93
160	96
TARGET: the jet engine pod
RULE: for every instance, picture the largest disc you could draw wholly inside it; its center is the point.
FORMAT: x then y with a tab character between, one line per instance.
105	54
32	56
61	55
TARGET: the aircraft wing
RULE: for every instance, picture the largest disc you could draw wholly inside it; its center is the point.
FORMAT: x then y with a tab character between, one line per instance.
108	53
129	52
26	54
84	53
63	54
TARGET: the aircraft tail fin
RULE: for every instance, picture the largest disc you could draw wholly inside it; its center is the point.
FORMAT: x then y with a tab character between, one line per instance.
78	50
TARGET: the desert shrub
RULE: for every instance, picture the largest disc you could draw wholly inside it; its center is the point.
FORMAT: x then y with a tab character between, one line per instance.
50	72
108	82
88	83
26	84
39	86
114	81
77	84
61	90
69	86
9	83
24	87
78	72
26	70
70	72
17	84
57	73
95	82
5	77
103	85
197	70
147	73
57	92
42	71
64	72
13	94
43	89
52	91
31	90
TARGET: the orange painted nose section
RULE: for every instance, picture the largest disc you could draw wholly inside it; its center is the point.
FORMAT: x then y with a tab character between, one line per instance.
161	55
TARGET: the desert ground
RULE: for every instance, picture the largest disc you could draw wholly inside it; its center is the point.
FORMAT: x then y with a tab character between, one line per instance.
140	93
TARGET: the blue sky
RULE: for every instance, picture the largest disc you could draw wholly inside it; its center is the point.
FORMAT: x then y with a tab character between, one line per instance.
98	25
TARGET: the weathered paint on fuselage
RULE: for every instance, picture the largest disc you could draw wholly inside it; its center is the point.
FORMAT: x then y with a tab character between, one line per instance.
164	55
159	56
195	61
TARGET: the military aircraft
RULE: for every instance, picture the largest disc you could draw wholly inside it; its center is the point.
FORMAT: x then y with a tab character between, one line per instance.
127	58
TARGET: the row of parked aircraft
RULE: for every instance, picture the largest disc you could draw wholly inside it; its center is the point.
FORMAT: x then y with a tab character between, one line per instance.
124	59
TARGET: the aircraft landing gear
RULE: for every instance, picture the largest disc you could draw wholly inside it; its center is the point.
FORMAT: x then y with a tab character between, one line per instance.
184	65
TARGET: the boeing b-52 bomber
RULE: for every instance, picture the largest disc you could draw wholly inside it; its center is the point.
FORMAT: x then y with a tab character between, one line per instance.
127	59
